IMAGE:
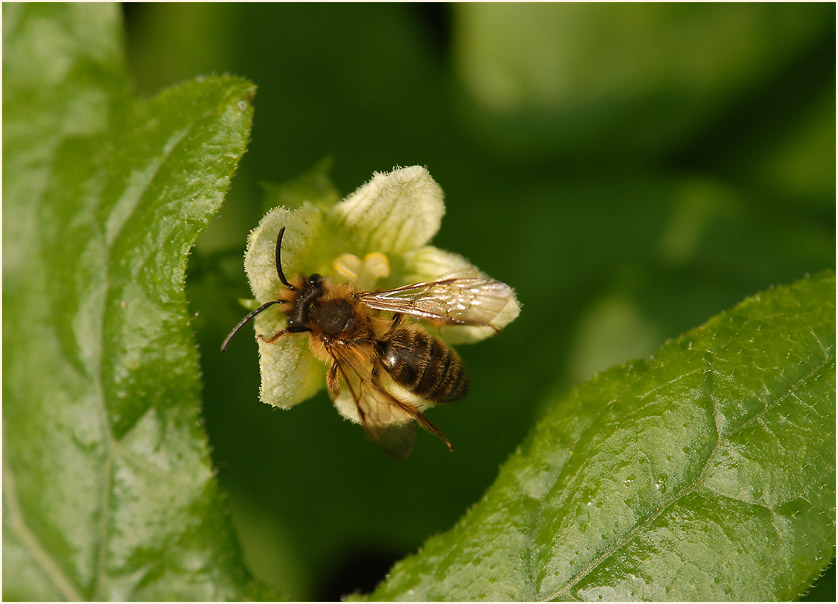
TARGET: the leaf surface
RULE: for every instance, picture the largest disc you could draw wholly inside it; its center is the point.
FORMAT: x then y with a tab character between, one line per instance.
109	492
706	472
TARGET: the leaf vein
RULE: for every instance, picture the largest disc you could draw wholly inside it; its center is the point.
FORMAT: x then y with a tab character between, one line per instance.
538	516
643	524
772	404
129	200
689	488
31	542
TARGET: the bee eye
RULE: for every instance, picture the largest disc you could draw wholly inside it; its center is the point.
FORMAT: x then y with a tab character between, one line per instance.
315	279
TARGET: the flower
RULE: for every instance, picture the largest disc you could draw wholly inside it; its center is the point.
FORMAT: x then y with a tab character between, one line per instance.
376	238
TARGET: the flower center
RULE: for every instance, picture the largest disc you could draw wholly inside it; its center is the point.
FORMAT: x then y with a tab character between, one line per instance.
363	273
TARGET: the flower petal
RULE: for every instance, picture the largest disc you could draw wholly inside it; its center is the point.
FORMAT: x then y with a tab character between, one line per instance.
298	249
385	413
392	213
290	372
428	263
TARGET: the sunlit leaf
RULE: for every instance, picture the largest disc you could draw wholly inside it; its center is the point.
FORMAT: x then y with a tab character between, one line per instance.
706	472
109	492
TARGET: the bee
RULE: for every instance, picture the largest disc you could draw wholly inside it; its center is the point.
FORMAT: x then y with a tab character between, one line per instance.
391	367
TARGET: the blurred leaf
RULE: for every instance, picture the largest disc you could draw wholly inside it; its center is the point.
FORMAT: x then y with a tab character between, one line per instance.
611	330
624	78
385	94
108	488
704	473
795	160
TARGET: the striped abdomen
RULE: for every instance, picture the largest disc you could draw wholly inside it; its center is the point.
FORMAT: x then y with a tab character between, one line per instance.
424	365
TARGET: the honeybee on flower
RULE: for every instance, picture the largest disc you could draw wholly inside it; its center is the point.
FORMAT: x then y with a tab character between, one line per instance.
333	323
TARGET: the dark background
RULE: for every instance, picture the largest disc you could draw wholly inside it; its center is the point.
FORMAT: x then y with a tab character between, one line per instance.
631	170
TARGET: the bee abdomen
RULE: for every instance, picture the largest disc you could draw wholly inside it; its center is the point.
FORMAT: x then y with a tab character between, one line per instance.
424	365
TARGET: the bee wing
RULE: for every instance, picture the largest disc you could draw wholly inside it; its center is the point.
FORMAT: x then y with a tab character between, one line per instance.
459	298
386	419
396	440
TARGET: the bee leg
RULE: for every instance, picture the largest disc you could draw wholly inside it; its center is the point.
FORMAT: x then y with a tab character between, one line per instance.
332	379
417	415
273	338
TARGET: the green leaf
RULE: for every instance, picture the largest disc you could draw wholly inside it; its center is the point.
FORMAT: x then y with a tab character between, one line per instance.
109	492
541	80
706	472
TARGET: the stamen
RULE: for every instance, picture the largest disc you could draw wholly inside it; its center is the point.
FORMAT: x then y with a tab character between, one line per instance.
365	273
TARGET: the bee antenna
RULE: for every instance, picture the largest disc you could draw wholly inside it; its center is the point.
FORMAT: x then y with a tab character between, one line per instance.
244	321
278	260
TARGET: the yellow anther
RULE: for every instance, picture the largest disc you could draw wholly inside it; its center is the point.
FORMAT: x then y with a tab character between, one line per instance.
348	265
364	273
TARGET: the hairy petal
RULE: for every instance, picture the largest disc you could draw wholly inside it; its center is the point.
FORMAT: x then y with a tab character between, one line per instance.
298	249
394	212
290	373
428	262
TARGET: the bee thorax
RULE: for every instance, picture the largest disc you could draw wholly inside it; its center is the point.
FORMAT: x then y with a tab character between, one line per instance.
332	317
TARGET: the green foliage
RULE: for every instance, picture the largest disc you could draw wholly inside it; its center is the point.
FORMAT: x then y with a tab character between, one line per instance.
313	186
626	185
108	488
704	473
618	79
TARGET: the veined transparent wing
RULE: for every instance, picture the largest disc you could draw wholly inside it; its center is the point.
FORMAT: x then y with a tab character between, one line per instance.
459	298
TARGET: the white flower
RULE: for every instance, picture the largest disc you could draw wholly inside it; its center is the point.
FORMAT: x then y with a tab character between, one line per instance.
376	238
